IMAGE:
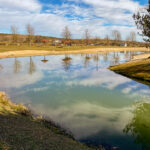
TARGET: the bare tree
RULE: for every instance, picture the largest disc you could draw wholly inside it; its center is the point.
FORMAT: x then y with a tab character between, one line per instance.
17	65
86	36
132	36
14	31
107	39
128	39
32	67
116	35
66	62
96	40
30	33
96	59
105	56
66	34
87	60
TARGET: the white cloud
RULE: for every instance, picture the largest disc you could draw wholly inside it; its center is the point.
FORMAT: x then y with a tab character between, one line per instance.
20	77
101	17
114	4
129	88
20	5
103	78
88	120
40	89
20	80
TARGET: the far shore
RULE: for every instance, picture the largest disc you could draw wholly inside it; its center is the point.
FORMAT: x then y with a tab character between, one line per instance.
141	56
28	52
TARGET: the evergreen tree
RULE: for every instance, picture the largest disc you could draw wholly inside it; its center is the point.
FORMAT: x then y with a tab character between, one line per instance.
142	20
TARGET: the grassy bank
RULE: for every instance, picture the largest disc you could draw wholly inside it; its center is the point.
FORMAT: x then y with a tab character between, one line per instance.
138	70
24	51
4	48
19	130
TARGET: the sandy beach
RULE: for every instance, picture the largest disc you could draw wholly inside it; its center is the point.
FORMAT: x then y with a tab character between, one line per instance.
141	56
25	53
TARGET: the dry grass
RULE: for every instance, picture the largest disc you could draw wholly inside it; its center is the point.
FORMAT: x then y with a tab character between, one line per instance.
50	48
25	51
19	130
138	70
4	48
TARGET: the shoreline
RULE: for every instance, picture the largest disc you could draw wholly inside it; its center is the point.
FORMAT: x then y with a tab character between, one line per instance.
137	70
27	131
26	53
141	56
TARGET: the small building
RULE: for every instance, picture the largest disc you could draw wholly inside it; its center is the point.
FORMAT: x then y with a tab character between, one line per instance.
56	42
68	43
124	44
44	40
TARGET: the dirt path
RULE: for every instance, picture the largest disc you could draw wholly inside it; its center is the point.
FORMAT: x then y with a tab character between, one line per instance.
25	53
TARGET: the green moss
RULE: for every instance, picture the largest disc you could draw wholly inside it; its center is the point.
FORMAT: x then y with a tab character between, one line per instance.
139	126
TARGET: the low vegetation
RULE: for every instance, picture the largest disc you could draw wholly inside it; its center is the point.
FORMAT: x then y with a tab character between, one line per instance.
29	41
137	70
20	130
139	125
16	39
46	47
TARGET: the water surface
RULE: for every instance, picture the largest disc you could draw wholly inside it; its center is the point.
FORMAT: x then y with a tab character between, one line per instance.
79	93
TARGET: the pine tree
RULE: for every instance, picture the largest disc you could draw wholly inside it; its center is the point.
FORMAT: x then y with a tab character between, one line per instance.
142	20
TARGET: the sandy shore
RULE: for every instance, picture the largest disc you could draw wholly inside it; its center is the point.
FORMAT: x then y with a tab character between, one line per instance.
25	53
142	56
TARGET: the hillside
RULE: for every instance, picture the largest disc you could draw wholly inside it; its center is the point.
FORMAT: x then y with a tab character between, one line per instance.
7	39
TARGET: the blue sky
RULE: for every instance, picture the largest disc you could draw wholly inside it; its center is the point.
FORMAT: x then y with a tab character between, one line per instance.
49	17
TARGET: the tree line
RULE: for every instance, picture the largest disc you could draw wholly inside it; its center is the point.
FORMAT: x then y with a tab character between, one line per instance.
66	35
142	21
29	30
116	35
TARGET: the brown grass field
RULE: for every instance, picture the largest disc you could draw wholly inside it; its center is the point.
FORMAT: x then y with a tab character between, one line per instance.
22	51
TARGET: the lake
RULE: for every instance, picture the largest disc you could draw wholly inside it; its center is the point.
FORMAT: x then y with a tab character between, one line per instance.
79	93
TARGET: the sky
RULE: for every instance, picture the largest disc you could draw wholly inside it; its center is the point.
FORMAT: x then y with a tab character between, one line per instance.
49	17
